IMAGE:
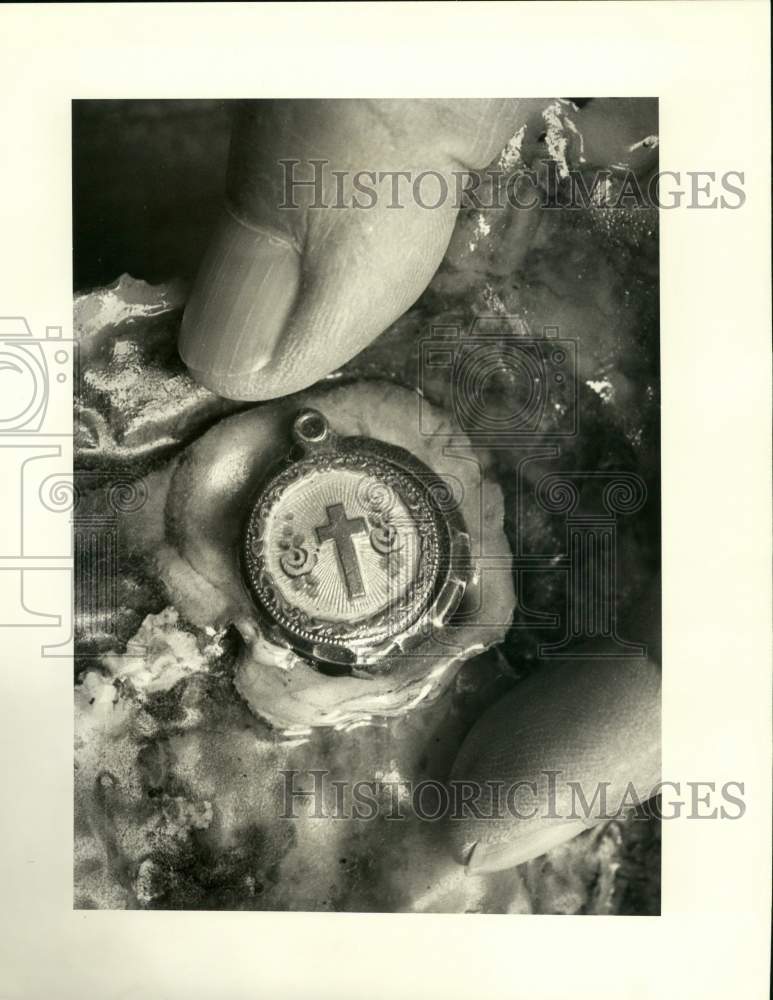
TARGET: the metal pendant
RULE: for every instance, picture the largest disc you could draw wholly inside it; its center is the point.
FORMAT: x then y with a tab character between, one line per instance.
351	551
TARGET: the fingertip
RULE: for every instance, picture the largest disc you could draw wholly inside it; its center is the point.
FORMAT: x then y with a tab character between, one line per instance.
243	295
483	859
568	736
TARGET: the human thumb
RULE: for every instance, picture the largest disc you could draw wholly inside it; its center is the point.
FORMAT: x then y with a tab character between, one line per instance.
337	216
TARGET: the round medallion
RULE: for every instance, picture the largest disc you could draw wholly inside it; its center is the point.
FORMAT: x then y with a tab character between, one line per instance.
348	551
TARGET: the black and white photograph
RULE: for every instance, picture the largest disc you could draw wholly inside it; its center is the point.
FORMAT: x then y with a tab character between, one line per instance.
383	432
367	524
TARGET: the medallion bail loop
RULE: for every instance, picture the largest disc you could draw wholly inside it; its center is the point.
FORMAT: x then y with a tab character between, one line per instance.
311	431
348	555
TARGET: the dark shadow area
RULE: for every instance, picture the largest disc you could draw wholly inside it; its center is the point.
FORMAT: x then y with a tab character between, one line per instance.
148	179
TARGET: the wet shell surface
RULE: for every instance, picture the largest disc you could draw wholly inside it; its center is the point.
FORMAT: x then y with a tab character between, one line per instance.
193	531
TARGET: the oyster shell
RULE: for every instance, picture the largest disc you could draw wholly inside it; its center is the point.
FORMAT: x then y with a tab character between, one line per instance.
192	533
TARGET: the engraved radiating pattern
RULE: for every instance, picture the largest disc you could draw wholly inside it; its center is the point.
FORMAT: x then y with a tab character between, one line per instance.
339	529
359	511
304	506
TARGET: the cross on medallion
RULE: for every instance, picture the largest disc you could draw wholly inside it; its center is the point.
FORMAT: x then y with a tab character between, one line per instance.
340	529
